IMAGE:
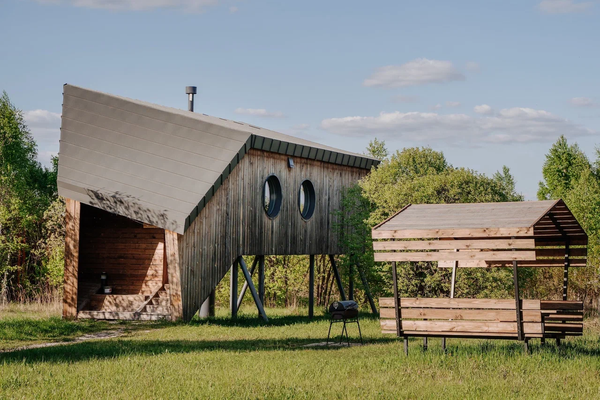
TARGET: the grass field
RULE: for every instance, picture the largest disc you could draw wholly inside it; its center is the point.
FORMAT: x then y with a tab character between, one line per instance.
250	359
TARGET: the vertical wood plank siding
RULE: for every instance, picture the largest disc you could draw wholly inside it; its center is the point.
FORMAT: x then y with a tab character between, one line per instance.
72	223
234	222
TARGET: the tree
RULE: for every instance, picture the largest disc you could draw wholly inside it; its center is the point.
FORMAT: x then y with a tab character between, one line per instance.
26	190
377	149
563	166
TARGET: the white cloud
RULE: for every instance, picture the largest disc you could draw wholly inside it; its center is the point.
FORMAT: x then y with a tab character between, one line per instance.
233	9
259	112
436	107
583	102
45	128
453	104
472	66
416	72
520	125
483	109
563	6
137	5
405	99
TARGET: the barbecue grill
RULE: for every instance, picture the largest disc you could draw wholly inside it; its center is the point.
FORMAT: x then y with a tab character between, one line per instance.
344	312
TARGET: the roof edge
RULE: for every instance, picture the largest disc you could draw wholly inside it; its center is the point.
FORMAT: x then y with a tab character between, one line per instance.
280	147
390	217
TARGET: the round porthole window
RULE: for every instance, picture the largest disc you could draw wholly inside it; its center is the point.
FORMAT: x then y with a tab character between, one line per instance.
306	199
272	196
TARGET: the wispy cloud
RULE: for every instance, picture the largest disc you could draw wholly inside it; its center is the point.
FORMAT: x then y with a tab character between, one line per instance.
233	9
510	125
483	109
416	72
583	102
472	66
45	128
259	112
137	5
563	6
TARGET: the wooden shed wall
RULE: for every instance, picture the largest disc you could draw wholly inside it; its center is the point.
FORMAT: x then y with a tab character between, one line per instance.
131	255
234	222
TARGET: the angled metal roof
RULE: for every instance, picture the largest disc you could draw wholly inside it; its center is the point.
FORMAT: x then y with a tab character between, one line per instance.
540	219
157	164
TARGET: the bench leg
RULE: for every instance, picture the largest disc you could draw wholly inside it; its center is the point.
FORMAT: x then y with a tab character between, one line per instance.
425	343
444	344
558	341
405	345
543	341
526	346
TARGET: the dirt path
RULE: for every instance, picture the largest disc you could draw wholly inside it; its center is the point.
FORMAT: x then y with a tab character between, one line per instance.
90	336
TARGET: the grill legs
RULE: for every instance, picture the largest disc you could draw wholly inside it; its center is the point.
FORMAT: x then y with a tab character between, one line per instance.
344	330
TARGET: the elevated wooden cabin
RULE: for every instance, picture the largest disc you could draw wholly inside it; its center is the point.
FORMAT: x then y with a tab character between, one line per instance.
165	201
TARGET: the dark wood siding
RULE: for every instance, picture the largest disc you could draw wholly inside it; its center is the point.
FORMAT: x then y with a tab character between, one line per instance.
234	223
131	255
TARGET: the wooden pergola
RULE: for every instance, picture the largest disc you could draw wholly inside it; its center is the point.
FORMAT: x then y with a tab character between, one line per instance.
484	235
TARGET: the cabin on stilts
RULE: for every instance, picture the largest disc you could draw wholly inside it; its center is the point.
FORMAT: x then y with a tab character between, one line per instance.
161	203
529	234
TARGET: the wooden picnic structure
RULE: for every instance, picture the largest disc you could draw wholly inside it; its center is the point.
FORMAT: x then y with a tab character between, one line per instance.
164	202
529	234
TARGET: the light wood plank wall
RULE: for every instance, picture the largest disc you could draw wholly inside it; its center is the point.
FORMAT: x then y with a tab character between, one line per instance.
234	222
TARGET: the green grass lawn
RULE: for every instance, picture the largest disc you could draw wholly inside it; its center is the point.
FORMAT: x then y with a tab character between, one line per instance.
251	359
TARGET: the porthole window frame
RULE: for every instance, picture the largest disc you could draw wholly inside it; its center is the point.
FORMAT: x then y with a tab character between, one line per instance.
312	200
273	211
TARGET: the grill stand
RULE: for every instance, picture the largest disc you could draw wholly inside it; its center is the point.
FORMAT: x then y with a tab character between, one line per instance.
344	329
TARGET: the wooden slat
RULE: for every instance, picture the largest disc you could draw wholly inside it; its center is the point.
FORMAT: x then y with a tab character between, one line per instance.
455	244
561	305
563	327
560	253
475	335
478	315
564	317
72	227
462	326
544	263
456	256
433	233
496	304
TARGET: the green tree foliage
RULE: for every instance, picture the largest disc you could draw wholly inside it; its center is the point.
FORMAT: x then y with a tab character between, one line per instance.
569	174
27	190
419	176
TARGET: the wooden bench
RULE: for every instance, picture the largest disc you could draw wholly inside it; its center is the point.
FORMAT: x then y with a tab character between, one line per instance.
461	318
561	319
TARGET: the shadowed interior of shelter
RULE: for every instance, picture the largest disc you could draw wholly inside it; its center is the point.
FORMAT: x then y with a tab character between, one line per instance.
131	254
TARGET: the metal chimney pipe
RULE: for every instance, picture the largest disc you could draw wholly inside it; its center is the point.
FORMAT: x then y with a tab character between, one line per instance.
190	91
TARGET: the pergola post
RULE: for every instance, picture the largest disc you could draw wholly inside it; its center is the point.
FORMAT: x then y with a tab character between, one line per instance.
566	270
452	287
311	286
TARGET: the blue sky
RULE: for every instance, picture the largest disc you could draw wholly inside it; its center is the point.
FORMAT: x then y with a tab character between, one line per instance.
489	83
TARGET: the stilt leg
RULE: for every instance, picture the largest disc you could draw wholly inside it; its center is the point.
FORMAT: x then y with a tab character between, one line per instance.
425	343
405	345
359	332
444	344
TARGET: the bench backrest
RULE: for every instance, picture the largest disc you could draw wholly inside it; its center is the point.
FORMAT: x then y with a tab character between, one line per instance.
562	318
461	317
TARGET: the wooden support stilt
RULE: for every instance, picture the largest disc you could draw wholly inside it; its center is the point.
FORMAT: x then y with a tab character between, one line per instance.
338	279
311	286
259	305
452	287
363	278
261	280
350	283
245	287
233	287
518	302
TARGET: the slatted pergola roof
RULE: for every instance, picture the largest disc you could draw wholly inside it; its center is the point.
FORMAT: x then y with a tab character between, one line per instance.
534	233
